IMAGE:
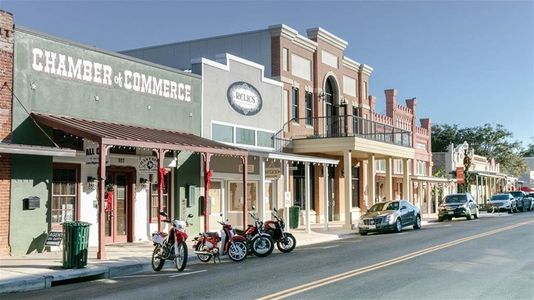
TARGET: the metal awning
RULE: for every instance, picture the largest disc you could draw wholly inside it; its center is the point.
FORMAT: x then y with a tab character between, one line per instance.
294	157
117	134
35	150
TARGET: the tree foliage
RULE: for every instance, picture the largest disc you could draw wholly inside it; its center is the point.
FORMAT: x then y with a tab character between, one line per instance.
529	151
486	140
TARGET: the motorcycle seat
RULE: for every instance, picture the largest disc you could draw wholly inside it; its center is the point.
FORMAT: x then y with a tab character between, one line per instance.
163	234
212	234
239	231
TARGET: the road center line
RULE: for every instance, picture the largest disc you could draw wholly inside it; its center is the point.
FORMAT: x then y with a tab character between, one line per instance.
355	272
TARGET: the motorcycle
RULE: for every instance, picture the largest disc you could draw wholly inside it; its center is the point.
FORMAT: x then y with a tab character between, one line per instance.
170	246
213	244
285	241
259	243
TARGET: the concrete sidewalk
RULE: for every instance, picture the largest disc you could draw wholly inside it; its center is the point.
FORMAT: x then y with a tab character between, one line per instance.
44	270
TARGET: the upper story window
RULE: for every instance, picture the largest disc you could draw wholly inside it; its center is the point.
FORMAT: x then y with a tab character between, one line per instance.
309	108
285	59
233	134
421	168
294	103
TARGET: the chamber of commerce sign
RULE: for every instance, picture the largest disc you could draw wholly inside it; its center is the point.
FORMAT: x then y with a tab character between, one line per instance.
244	98
90	71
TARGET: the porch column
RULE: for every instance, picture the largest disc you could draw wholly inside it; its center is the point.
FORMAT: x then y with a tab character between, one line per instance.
389	179
371	179
476	185
101	254
160	153
405	180
347	170
207	157
261	190
245	190
307	194
286	191
436	198
326	198
428	198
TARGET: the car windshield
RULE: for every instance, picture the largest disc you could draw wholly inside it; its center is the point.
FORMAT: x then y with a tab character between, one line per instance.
456	199
384	206
517	194
500	197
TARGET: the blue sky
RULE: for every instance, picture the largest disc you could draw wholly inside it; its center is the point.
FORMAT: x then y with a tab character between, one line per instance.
467	62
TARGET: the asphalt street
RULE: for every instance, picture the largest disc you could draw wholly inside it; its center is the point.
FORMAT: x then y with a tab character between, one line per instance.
488	258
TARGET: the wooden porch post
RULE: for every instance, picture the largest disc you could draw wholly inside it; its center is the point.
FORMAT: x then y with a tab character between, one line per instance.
244	158
101	254
206	157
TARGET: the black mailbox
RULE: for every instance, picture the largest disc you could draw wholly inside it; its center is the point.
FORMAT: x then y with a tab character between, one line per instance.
32	202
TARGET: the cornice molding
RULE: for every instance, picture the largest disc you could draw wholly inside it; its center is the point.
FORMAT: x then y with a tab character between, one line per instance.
351	64
282	30
319	33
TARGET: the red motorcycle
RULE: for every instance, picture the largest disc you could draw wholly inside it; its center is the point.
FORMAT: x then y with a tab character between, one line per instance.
213	244
170	246
285	241
259	243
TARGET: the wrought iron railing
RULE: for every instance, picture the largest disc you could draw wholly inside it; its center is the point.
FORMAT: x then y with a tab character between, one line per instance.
340	126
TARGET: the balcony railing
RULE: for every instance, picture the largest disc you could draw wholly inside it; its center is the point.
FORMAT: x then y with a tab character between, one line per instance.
340	126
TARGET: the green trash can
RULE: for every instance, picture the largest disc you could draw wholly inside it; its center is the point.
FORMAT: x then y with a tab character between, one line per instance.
294	213
75	244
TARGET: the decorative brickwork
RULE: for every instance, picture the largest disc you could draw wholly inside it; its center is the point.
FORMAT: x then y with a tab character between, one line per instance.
6	98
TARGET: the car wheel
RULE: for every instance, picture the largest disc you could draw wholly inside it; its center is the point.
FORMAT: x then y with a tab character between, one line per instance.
468	216
398	225
476	213
363	232
417	224
440	219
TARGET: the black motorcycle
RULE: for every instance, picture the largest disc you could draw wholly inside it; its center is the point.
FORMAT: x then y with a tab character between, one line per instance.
285	241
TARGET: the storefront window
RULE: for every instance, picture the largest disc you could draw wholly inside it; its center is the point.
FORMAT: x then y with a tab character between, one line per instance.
236	195
299	190
244	136
265	139
270	194
154	198
222	133
64	194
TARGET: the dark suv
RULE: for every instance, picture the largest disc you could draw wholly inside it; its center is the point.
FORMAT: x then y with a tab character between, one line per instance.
457	206
522	202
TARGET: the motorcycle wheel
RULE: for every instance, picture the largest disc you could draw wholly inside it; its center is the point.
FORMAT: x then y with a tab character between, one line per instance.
203	257
237	251
180	260
287	243
262	245
157	261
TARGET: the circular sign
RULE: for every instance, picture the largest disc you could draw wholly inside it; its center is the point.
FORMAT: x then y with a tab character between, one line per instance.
244	98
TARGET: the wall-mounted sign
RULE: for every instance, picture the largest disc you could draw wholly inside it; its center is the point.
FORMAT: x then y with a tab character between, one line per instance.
148	165
96	72
460	175
92	152
273	172
244	98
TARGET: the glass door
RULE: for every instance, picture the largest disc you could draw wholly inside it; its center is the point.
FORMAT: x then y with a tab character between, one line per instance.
215	205
117	207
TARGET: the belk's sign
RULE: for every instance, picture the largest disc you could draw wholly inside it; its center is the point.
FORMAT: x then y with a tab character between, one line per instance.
244	98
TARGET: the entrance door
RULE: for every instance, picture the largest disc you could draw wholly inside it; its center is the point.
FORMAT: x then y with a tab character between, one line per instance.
215	204
119	209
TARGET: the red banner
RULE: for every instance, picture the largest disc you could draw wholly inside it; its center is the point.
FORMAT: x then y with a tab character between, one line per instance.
109	201
161	181
460	177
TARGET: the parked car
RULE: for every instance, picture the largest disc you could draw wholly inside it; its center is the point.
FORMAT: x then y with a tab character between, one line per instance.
502	202
520	200
457	206
531	196
390	216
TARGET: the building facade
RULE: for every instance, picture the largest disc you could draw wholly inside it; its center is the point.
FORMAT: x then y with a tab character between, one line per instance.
328	112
